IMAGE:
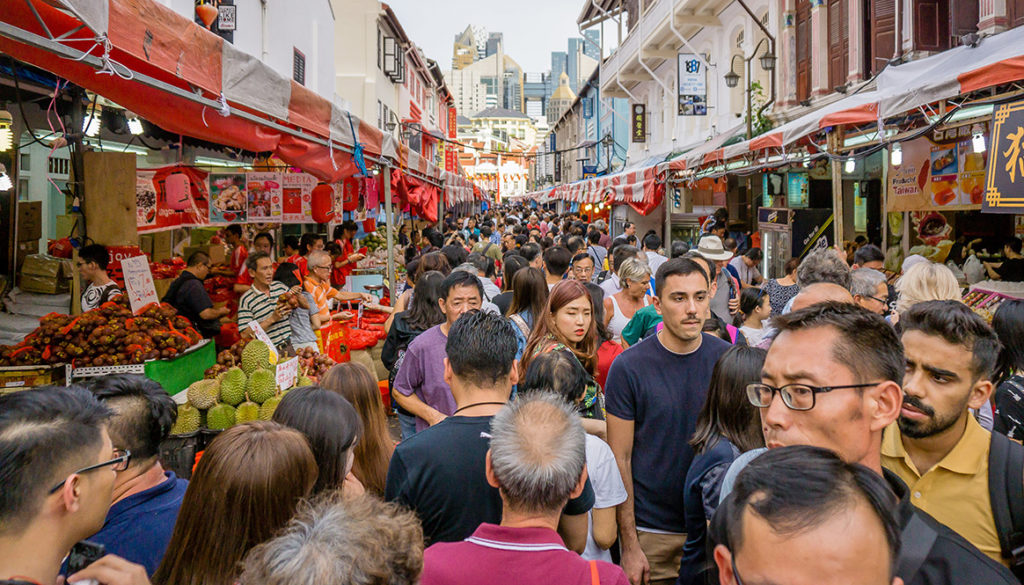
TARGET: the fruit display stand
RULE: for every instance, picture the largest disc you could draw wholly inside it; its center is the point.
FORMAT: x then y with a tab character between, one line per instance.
174	374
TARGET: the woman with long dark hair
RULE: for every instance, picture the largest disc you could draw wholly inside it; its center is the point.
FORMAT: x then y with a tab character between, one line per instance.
511	264
332	427
1009	395
424	312
245	488
373	451
529	298
431	261
567	322
726	426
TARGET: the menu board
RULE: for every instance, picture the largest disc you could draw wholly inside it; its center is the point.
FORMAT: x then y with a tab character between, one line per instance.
939	171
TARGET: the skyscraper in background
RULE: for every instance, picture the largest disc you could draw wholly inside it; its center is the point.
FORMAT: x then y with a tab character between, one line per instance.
592	44
495	44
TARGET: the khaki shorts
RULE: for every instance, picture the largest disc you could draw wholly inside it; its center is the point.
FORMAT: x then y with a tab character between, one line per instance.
663	552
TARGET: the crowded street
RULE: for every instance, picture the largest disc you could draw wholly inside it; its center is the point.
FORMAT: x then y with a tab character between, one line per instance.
603	292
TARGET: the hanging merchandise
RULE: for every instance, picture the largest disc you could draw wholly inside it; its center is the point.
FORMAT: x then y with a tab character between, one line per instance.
371	188
297	193
323	203
227	198
264	196
350	188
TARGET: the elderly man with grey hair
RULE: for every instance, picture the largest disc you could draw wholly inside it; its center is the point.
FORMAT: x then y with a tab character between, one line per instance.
870	290
537	461
823	265
356	541
486	304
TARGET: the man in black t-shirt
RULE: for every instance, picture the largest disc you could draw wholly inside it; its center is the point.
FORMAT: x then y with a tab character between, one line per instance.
440	472
187	295
654	392
1011	269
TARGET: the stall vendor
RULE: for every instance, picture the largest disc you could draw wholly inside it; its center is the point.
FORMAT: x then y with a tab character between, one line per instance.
1011	269
189	297
239	253
263	242
92	265
261	302
348	258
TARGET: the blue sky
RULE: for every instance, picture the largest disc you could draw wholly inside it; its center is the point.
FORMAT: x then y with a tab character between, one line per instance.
532	28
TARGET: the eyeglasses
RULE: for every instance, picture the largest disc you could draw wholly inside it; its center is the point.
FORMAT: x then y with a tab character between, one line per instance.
319	267
583	270
120	462
794	396
735	572
883	301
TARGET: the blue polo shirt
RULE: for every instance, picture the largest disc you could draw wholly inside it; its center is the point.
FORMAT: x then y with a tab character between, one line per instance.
139	527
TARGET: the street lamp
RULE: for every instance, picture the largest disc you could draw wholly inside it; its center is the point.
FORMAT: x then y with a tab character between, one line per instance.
732	79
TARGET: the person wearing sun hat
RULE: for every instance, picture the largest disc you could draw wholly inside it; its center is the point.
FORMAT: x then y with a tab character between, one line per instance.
712	248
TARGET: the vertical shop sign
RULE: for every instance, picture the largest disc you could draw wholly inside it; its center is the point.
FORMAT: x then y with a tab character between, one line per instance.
588	107
639	122
693	86
453	123
1004	183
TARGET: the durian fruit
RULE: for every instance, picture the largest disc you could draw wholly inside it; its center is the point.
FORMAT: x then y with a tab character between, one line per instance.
303	381
267	408
262	386
255	356
188	420
203	394
246	412
232	387
220	417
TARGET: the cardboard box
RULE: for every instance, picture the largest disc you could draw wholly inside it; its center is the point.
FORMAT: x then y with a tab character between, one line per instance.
23	250
47	285
30	220
162	249
218	254
45	274
64	225
146	244
161	285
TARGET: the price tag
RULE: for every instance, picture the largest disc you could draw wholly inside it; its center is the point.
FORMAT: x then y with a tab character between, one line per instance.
287	372
139	282
260	334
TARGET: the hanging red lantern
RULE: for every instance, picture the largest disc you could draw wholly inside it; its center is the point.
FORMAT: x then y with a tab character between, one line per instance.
207	13
322	204
350	194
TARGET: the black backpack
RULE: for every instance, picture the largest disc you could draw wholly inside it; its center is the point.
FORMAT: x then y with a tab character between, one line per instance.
1006	490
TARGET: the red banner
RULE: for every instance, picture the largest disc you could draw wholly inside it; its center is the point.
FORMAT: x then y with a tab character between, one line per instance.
453	123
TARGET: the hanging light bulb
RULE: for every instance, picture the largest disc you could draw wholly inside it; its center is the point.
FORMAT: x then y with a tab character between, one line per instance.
6	130
850	166
91	125
977	140
896	156
134	124
5	181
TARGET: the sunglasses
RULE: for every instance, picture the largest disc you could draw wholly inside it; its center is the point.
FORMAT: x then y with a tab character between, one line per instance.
120	462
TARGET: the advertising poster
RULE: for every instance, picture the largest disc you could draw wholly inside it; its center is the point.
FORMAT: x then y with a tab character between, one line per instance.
170	197
798	190
227	198
1004	184
693	86
297	189
939	171
145	200
263	191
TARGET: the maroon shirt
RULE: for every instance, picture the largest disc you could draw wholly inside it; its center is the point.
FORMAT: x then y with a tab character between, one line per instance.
502	555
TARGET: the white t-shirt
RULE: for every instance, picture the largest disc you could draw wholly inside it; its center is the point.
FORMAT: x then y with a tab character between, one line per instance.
94	296
609	490
655	260
754	336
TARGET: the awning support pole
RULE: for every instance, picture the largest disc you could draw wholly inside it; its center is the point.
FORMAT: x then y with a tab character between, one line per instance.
389	217
835	139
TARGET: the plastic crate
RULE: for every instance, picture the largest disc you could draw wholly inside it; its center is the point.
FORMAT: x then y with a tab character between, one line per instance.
178	453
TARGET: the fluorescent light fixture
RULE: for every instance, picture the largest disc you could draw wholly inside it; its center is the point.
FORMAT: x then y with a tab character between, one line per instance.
896	155
91	126
134	125
850	166
6	131
978	139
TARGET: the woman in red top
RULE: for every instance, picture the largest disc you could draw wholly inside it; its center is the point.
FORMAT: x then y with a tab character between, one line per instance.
607	349
346	260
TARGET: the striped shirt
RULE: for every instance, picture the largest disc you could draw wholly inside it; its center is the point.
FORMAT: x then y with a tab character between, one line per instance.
257	306
322	293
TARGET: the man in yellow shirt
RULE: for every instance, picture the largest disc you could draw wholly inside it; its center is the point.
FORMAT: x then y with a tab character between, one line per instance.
936	446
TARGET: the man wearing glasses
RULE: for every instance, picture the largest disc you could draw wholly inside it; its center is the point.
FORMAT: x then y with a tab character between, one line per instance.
318	284
189	297
832	379
869	289
58	469
583	267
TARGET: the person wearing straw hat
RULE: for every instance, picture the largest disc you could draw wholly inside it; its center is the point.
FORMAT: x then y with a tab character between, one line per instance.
722	304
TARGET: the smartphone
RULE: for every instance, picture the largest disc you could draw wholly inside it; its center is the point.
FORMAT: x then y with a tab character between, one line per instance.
83	554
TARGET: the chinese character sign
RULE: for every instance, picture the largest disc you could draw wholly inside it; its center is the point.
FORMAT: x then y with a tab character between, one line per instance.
1004	182
588	107
639	122
693	86
453	123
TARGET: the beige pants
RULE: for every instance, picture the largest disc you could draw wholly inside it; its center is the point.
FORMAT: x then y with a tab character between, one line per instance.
663	552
